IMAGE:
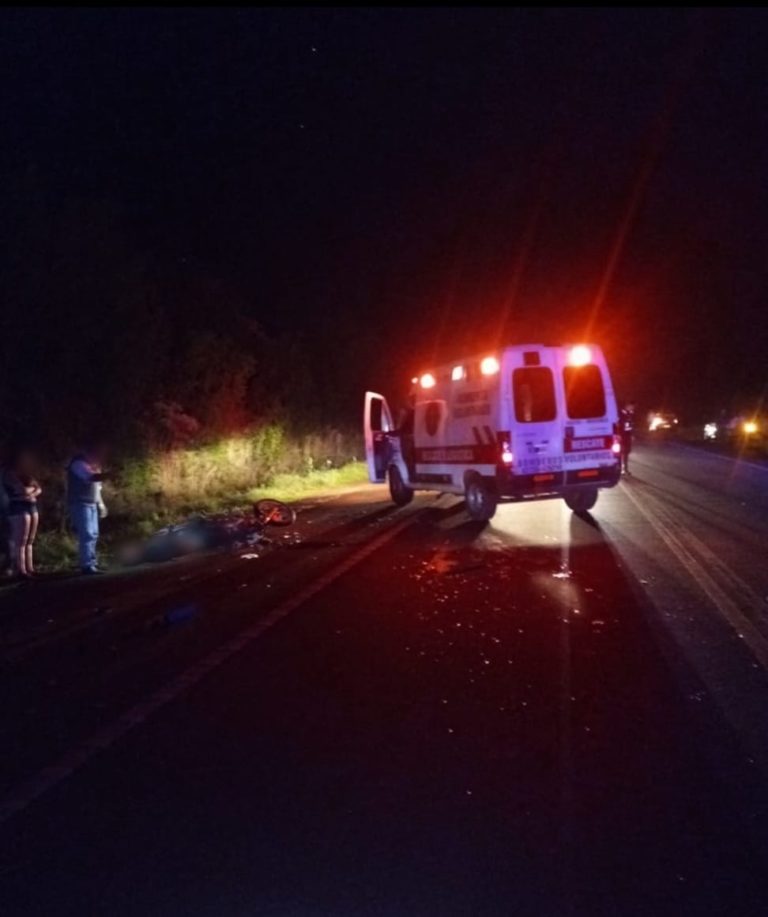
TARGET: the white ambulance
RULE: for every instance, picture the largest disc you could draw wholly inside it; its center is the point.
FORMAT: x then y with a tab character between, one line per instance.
530	422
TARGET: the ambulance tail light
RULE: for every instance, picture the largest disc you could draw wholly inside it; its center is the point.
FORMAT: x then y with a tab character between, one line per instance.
616	445
489	366
507	456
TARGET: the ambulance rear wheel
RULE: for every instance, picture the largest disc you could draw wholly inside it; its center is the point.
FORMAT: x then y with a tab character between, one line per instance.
480	498
582	500
400	492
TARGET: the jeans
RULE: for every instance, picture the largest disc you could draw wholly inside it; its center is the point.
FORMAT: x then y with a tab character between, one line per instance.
85	518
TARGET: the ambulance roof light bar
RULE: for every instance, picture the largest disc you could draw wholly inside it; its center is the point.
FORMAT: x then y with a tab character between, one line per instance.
427	381
580	355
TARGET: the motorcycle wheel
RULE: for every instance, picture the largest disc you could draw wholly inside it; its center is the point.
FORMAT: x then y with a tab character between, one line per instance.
274	512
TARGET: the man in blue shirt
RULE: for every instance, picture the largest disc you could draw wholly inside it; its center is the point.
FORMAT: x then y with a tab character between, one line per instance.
85	502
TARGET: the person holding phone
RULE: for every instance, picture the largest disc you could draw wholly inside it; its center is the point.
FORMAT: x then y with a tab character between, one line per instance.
86	504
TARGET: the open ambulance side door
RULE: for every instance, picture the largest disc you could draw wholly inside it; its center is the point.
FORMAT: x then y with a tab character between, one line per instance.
377	423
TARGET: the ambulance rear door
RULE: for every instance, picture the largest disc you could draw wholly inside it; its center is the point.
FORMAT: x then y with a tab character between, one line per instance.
377	425
536	422
589	409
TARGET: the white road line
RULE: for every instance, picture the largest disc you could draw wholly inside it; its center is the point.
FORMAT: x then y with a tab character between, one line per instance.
712	562
722	602
23	795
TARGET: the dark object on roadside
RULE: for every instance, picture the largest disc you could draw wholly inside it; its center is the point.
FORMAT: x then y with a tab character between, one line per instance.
181	615
210	532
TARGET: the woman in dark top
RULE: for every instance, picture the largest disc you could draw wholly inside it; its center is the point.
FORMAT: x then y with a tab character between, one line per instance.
21	491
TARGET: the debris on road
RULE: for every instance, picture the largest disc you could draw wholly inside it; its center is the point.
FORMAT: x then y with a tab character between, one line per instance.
181	614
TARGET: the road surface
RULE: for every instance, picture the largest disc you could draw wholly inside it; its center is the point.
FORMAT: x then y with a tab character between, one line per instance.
407	714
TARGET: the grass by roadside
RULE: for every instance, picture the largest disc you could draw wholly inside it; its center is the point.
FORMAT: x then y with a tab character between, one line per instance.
294	486
57	550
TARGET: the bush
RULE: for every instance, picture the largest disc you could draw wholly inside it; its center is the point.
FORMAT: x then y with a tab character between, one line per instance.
220	473
56	550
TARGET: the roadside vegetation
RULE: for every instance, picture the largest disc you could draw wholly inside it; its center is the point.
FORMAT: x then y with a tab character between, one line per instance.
149	493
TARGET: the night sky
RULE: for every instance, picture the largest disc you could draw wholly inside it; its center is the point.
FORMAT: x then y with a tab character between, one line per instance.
410	185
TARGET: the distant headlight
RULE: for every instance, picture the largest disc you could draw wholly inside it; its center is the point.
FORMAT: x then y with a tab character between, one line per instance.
660	422
710	431
750	427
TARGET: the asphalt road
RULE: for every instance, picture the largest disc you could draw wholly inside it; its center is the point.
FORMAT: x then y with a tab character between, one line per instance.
407	714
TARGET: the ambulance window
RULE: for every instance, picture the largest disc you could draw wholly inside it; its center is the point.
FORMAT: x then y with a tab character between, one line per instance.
584	392
534	390
377	414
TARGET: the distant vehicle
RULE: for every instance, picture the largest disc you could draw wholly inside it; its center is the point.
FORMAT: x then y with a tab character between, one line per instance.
530	422
748	427
661	420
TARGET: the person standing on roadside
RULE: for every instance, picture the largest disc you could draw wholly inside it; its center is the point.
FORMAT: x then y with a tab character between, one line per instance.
86	504
21	493
626	431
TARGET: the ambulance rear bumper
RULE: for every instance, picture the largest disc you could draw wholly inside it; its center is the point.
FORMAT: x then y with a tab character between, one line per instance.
513	486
